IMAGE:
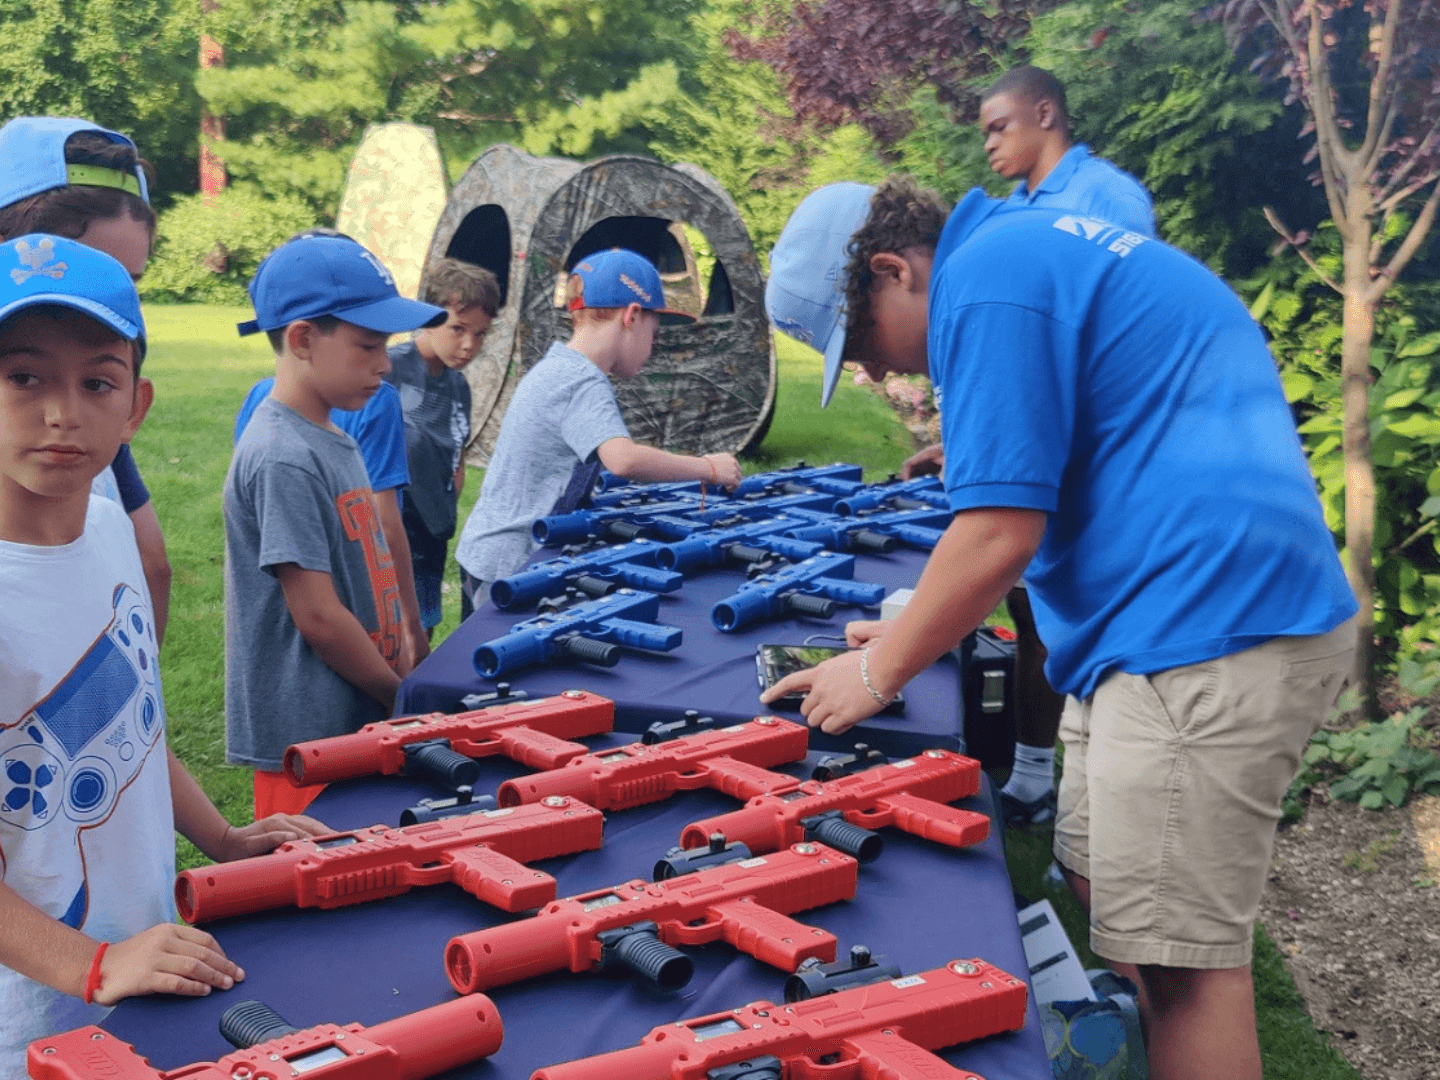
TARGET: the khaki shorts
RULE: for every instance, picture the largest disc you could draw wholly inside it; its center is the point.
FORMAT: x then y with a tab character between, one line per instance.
1172	789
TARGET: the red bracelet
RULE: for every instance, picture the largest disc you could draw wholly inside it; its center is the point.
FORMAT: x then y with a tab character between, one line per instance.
92	982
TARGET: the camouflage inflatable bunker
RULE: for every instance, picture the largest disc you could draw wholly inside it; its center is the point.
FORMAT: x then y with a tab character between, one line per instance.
710	386
394	193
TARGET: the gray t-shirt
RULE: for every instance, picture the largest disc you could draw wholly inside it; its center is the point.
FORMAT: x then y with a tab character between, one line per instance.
297	493
563	409
437	427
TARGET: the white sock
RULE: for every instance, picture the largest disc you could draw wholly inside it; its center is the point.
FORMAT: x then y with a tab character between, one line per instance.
1033	774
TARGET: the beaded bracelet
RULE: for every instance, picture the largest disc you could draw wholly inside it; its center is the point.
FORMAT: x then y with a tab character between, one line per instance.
865	678
92	981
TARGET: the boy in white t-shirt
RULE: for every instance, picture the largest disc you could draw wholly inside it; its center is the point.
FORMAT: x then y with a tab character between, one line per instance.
89	793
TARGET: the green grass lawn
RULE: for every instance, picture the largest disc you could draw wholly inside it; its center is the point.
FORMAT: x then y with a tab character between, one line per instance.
202	371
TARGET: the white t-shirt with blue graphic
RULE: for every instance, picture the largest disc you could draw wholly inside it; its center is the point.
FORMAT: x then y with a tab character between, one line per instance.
86	821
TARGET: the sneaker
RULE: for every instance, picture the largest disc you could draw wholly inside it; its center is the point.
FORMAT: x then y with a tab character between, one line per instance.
1019	815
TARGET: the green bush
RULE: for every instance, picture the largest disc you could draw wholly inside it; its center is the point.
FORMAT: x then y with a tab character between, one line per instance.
207	251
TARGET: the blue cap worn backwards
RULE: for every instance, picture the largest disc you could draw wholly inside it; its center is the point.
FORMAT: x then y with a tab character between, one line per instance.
805	296
620	277
314	276
40	269
32	159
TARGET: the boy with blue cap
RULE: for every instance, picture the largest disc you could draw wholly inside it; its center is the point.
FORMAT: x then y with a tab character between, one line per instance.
564	415
313	620
90	795
70	177
1114	428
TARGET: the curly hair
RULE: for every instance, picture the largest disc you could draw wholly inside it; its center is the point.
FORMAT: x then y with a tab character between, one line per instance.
68	211
902	215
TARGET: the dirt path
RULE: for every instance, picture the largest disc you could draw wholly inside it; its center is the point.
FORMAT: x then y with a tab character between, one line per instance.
1355	910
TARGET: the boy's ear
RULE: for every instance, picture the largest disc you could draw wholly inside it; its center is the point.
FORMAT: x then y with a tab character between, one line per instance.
1045	113
888	266
631	313
299	336
143	399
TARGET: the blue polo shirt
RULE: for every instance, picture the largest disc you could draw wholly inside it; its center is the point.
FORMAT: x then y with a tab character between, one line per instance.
1082	183
1121	387
378	429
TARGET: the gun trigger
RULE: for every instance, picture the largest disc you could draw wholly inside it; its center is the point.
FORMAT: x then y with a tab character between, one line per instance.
701	933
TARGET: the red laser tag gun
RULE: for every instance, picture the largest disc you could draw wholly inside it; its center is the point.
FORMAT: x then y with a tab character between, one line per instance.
734	760
440	746
884	1031
482	853
636	924
908	794
409	1047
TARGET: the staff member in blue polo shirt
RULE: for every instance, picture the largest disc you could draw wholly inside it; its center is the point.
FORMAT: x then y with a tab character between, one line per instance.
1027	138
1114	429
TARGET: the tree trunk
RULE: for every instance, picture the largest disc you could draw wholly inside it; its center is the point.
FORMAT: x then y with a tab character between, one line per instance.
1358	329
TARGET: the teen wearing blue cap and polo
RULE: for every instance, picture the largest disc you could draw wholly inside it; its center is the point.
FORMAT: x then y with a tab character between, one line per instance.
564	415
313	620
1113	421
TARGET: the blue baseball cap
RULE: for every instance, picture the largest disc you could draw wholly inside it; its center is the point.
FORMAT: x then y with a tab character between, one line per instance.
32	159
620	277
312	276
805	296
42	269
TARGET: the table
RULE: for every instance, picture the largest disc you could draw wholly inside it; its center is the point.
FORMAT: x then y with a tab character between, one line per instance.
919	905
709	671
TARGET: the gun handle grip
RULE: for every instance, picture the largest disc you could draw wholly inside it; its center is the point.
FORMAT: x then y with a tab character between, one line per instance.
741	780
926	819
770	937
499	880
537	750
887	1056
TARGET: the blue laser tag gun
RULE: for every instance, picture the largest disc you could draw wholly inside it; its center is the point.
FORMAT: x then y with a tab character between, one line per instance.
595	573
812	587
876	533
744	541
625	493
838	479
66	760
914	494
616	523
592	631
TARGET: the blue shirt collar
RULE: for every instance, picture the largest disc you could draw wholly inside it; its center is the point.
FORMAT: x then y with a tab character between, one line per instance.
1056	179
972	210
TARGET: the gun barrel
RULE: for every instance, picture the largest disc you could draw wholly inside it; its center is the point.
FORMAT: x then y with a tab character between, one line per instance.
508	653
442	1037
322	761
238	888
507	953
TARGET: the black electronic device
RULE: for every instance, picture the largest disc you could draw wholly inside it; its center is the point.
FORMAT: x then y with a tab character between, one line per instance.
774	662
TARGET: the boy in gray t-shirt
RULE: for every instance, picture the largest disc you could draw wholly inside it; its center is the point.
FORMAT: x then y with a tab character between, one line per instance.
312	603
564	413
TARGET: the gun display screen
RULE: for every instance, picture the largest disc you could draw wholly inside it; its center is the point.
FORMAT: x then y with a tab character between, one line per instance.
715	1030
338	841
407	725
313	1060
609	759
608	900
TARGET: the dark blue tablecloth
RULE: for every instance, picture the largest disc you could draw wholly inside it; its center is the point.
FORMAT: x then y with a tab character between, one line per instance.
919	905
710	671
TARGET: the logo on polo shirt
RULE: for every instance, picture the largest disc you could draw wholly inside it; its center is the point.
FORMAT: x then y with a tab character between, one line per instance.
1115	240
36	262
